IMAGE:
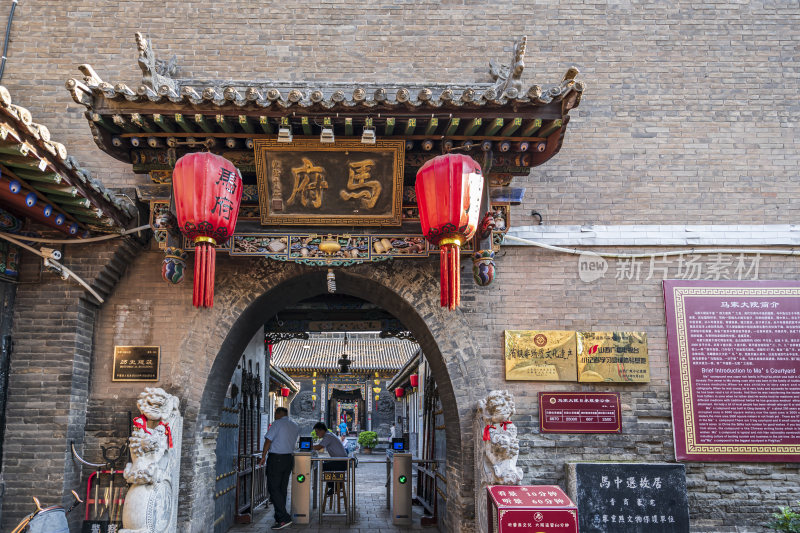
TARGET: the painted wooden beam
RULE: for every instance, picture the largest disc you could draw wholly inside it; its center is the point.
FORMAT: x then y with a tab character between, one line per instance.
511	127
224	123
348	127
433	124
473	126
122	122
531	128
200	120
389	129
183	124
161	122
493	127
142	122
244	123
266	127
306	125
452	126
411	125
549	127
47	177
105	123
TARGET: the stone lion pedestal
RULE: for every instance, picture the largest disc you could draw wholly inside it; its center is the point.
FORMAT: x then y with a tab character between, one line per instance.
151	504
497	449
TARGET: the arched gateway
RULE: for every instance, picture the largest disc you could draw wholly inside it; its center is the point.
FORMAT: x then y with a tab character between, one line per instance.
220	335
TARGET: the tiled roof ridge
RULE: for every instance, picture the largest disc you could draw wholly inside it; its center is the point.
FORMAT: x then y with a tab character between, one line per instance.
159	86
38	142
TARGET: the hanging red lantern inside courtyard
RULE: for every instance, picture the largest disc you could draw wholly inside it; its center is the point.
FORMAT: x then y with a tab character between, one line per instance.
208	191
414	380
449	189
399	392
285	392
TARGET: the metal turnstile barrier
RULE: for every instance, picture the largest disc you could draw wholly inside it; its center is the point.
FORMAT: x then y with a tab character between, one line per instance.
302	483
401	493
345	477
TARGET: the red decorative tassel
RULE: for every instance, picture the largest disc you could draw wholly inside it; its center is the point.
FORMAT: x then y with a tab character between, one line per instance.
204	259
486	434
449	272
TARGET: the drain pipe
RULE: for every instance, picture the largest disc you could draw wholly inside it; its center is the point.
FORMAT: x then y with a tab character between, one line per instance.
8	33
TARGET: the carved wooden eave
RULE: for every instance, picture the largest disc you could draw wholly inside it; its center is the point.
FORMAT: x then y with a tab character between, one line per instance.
39	168
522	125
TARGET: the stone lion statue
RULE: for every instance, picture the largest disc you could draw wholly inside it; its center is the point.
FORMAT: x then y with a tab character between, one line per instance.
497	449
151	501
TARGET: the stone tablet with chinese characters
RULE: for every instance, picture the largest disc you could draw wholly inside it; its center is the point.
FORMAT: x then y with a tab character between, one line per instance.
540	355
613	356
629	497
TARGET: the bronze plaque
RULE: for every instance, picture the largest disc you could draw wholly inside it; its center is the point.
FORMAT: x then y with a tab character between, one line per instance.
613	356
333	476
345	183
540	356
136	363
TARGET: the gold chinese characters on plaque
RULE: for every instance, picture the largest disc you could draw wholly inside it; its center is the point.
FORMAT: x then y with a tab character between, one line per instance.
346	183
540	355
613	356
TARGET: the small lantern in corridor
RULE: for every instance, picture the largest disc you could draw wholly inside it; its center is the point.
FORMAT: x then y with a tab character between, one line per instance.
414	380
377	382
449	190
376	390
285	392
376	397
208	191
314	397
399	392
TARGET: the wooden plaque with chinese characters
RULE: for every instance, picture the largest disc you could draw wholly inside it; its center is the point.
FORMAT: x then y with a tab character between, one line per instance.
540	355
613	356
345	183
136	363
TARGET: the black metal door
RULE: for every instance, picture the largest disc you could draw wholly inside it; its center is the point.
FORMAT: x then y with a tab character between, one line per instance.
226	476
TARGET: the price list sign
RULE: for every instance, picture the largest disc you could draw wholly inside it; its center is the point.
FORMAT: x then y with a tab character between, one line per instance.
579	412
530	509
734	360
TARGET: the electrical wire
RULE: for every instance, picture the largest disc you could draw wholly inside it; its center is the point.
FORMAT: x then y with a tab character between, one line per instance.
8	33
687	251
77	241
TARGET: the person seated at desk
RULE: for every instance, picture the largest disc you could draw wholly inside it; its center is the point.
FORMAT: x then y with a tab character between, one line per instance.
333	446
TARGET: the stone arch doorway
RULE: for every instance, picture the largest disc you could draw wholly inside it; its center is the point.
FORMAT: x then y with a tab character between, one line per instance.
411	295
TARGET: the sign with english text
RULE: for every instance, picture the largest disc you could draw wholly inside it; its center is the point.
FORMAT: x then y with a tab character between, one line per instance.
346	183
136	363
734	369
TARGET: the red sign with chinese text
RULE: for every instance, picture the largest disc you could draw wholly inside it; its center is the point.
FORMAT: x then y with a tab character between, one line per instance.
734	364
531	509
580	412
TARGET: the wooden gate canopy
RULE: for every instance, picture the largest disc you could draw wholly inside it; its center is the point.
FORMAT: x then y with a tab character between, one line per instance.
151	125
41	182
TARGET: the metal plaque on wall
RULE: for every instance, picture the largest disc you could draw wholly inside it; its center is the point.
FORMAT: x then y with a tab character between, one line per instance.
580	412
540	355
136	363
346	183
613	356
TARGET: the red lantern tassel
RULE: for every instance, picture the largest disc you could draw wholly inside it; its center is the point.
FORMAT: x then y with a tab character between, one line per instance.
449	271
204	258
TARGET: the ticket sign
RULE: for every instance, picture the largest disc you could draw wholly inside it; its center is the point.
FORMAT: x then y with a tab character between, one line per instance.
540	355
734	369
580	412
136	363
613	356
530	509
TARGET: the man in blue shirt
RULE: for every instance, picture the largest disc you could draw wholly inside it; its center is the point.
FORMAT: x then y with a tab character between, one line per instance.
343	428
279	444
333	446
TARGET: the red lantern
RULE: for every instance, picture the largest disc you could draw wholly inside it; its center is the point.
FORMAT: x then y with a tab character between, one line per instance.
208	191
449	189
285	392
414	379
399	392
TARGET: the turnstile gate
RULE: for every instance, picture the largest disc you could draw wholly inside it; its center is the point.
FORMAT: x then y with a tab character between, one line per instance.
301	488
401	489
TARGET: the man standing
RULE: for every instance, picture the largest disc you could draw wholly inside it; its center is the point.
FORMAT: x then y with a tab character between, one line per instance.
333	446
279	443
342	428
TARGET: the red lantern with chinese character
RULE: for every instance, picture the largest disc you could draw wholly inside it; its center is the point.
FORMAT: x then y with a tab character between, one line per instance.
399	392
208	191
449	189
414	380
285	392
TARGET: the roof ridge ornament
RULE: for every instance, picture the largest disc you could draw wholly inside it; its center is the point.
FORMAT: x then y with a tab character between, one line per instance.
156	73
508	78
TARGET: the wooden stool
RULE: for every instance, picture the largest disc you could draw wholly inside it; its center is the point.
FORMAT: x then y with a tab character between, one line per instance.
339	493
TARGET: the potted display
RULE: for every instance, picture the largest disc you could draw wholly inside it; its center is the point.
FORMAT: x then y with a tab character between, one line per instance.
367	440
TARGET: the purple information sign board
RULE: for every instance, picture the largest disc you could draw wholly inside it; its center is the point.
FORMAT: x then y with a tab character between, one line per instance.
579	412
734	364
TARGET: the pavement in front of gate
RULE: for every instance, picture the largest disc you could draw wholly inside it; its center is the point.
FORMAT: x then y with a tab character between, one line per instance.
371	512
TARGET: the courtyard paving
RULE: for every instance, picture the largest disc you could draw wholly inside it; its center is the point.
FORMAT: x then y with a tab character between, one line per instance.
371	512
